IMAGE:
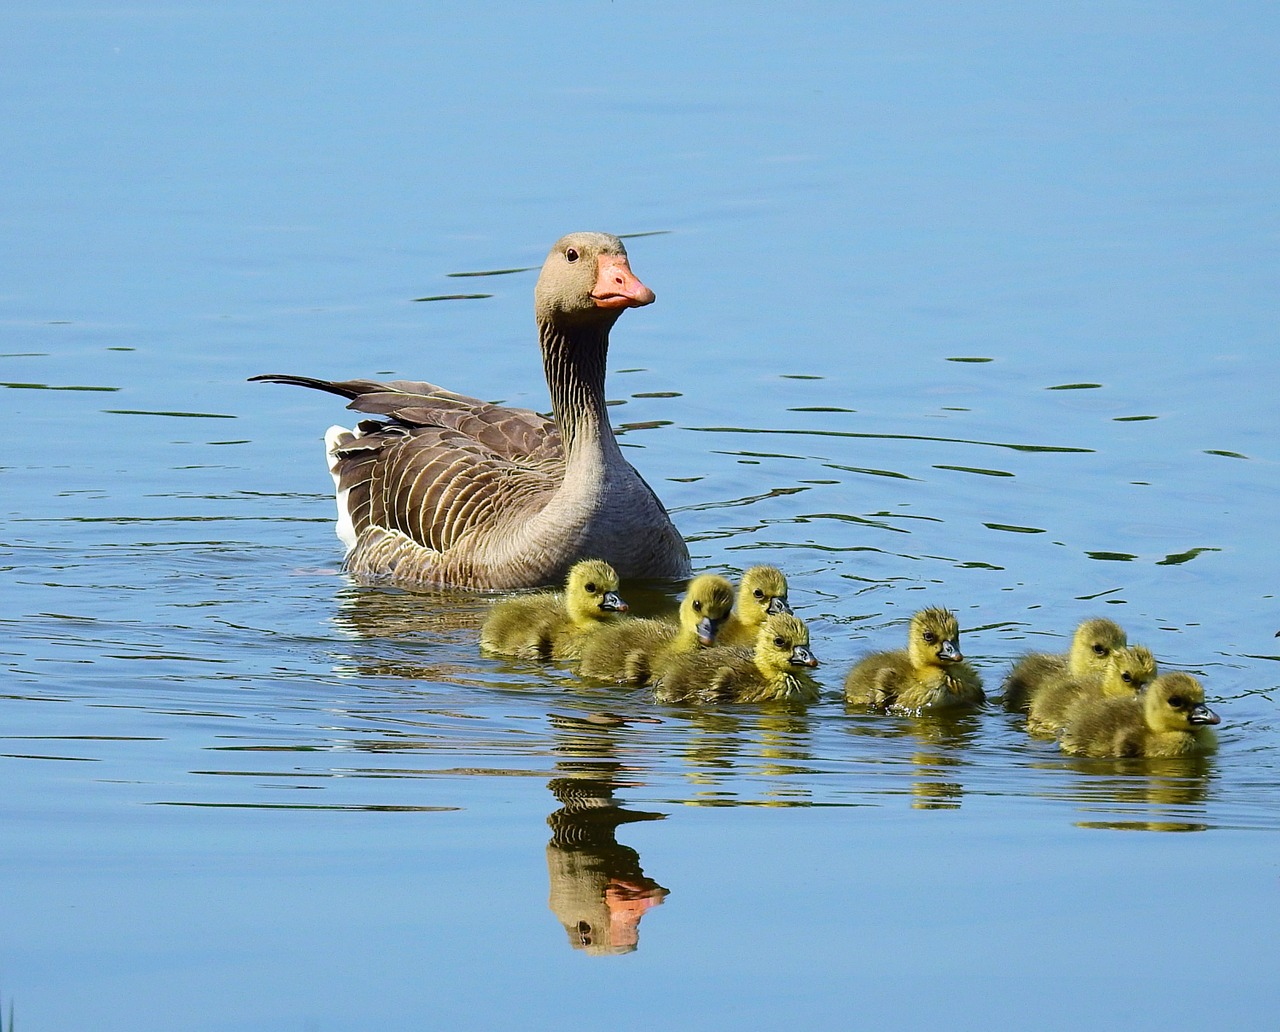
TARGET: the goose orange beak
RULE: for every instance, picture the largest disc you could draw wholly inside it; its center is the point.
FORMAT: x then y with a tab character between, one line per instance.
617	286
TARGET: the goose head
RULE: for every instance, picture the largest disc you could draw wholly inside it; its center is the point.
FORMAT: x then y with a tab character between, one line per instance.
934	639
587	280
1175	702
706	603
783	644
1094	642
763	592
591	591
1128	671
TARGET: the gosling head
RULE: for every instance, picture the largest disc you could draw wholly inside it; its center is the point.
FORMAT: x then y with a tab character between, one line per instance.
591	591
783	643
934	639
587	279
762	593
1128	671
1175	702
1094	642
706	603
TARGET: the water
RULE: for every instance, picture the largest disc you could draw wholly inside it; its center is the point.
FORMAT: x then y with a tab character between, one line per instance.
966	307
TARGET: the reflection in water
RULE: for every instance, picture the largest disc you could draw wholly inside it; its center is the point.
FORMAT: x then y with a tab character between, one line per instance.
1144	794
598	890
940	740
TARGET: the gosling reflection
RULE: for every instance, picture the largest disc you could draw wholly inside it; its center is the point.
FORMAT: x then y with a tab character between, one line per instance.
940	741
1144	794
599	892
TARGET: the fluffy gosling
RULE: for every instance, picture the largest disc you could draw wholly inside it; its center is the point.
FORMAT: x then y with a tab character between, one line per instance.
1092	645
930	673
776	669
636	651
1168	719
553	624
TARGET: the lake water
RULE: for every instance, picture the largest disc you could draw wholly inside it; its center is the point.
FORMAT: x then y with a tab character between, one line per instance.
962	305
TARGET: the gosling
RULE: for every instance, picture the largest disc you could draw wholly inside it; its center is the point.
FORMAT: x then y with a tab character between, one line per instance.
552	624
930	674
762	593
775	670
1092	645
1168	719
1127	672
636	651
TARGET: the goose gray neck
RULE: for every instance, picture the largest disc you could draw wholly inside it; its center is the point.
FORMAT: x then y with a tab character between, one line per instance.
574	360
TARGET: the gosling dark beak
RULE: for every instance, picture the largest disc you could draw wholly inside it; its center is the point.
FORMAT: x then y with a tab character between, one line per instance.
1202	714
801	656
949	653
777	605
707	630
612	603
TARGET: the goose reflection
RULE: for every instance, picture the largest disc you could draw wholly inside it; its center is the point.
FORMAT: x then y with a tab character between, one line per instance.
599	892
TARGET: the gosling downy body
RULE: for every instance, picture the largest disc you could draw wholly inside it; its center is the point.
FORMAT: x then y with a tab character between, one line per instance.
1168	719
1091	646
929	674
1127	672
763	592
776	669
552	624
446	489
636	651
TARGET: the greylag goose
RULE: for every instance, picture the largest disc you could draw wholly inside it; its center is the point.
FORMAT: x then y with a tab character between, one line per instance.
930	673
1092	643
450	490
552	624
1127	672
775	670
1168	719
637	651
763	592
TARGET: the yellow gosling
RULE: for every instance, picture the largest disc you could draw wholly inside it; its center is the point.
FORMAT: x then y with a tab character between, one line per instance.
1092	645
1127	672
635	651
776	669
1168	719
763	592
930	673
552	624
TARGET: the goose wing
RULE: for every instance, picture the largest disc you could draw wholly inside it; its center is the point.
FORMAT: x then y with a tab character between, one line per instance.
436	485
519	435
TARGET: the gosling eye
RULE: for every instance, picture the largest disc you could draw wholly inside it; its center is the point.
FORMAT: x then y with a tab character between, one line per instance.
780	642
930	637
591	588
697	607
1177	701
1127	677
758	593
571	255
1099	650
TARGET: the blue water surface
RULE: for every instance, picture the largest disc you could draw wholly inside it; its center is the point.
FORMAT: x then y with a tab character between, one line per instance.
965	305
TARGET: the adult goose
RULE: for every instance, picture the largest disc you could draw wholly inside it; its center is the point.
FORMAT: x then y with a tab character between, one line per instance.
450	490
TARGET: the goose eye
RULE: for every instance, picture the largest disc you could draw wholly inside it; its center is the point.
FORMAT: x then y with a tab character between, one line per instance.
780	642
758	593
571	255
1127	677
930	637
1177	701
1099	650
591	588
698	606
